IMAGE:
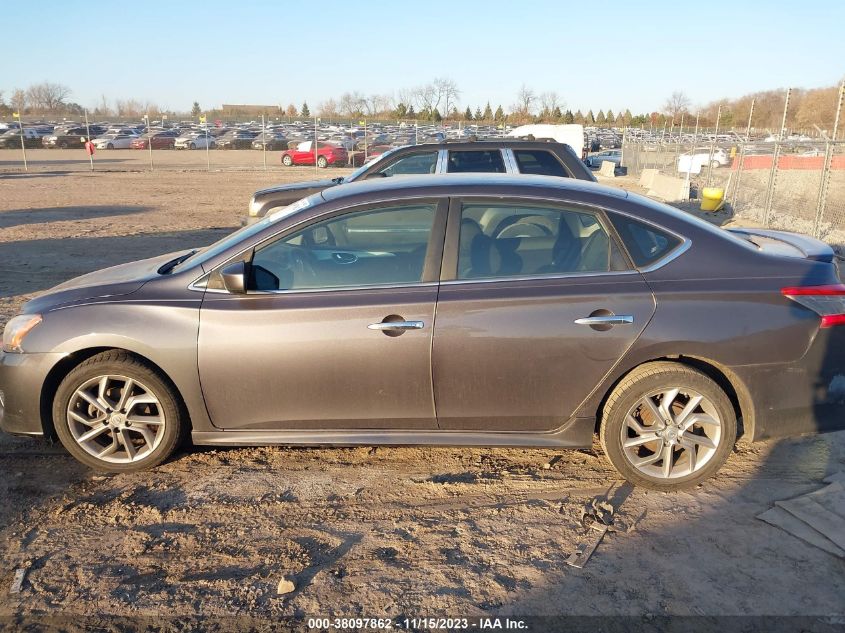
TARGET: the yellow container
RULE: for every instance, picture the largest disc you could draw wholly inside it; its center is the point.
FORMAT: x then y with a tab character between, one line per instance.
712	198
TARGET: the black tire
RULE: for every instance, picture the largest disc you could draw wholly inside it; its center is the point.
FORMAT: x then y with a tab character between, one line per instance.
117	362
287	161
193	146
650	378
109	146
322	162
63	145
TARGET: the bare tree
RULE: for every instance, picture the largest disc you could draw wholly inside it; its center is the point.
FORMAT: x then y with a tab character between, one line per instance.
351	104
549	101
47	96
677	104
427	97
525	101
327	109
18	100
447	91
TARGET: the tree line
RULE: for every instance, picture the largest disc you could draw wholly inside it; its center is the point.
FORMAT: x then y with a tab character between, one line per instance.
439	100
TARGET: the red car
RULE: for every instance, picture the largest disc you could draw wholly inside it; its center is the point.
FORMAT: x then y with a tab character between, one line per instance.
159	140
327	154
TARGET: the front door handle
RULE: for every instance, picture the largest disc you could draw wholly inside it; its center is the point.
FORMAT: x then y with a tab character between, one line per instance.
396	325
606	319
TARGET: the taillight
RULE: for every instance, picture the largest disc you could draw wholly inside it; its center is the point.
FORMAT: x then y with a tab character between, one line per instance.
826	301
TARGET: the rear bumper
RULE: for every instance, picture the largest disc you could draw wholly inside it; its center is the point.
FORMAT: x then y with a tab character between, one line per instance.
807	396
21	379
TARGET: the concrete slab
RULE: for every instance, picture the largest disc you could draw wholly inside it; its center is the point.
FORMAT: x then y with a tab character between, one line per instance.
668	188
823	510
647	177
607	169
796	527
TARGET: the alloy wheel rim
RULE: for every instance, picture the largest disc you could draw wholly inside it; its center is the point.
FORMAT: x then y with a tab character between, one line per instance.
671	433
116	419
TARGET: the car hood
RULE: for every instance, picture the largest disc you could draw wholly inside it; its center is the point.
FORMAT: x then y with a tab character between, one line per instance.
118	280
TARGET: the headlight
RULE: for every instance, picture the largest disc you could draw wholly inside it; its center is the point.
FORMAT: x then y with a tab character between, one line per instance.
17	329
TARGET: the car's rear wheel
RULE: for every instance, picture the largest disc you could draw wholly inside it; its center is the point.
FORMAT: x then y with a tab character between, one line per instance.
193	145
109	146
287	161
116	413
715	164
322	163
667	426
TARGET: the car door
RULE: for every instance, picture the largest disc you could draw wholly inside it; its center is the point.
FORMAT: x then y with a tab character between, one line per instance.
537	303
335	332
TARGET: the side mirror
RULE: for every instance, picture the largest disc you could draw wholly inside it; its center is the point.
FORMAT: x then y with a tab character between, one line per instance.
234	278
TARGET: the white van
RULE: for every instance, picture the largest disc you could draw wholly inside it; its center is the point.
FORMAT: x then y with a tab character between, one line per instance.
572	134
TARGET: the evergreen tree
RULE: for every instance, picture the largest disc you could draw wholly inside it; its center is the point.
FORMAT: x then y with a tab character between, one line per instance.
196	110
579	118
600	118
436	116
468	114
590	118
305	111
610	117
411	113
556	114
500	114
478	116
627	117
568	117
488	113
401	111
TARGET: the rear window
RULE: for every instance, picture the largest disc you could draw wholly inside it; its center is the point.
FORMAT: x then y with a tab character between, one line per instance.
474	161
645	243
538	162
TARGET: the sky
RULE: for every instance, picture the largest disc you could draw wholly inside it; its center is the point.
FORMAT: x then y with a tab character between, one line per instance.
594	55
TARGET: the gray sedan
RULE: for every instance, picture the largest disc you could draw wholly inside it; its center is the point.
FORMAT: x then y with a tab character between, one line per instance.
456	310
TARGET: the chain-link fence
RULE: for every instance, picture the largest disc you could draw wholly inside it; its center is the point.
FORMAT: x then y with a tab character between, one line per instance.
795	185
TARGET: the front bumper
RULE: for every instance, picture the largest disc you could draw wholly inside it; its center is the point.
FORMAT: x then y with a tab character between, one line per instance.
22	377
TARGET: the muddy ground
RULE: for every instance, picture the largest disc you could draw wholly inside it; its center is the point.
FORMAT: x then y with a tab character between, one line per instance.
361	532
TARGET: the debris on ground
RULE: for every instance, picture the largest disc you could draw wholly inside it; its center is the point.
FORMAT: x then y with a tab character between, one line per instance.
585	548
17	581
817	518
285	586
597	511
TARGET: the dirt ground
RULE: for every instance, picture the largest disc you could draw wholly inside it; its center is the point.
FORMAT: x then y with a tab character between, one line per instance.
383	532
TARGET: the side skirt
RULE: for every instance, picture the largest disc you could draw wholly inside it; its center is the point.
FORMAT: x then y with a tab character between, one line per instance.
578	433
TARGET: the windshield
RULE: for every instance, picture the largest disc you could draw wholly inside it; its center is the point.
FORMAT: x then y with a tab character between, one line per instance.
209	252
366	166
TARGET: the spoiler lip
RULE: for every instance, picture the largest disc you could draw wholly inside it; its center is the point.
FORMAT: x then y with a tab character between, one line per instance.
810	247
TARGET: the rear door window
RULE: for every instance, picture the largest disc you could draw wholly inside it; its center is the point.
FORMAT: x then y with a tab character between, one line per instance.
421	163
539	162
476	161
646	244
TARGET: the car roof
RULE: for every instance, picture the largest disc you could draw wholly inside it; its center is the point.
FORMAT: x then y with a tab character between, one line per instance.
461	184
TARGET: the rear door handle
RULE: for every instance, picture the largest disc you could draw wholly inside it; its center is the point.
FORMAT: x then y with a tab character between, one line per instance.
608	319
396	325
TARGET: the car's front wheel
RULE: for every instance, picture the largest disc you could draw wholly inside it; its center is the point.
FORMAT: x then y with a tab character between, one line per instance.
322	163
114	412
667	426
